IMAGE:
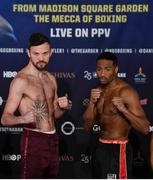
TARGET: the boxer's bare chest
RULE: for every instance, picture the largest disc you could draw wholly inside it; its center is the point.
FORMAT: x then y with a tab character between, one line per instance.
105	105
39	89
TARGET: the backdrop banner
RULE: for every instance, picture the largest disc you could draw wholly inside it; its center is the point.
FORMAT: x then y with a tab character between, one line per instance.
79	31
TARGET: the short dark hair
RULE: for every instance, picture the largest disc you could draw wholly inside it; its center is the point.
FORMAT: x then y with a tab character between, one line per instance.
108	56
37	39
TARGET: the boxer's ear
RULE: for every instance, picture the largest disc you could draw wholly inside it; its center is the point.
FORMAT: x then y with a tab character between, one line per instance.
116	69
28	53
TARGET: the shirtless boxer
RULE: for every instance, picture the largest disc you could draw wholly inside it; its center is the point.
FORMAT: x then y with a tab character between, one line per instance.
116	104
34	93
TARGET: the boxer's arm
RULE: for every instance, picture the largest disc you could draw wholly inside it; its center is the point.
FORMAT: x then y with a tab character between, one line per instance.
129	104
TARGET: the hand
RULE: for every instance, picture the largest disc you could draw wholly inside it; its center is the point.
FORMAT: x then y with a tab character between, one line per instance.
63	102
29	117
119	104
95	95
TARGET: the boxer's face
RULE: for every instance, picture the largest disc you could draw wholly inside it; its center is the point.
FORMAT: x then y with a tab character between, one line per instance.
40	55
106	71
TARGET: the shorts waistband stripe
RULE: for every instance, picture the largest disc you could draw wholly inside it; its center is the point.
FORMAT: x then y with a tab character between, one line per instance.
110	141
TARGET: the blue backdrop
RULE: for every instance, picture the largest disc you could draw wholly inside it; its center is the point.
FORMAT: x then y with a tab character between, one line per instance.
79	31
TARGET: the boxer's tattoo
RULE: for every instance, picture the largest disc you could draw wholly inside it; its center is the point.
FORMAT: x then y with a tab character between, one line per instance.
41	111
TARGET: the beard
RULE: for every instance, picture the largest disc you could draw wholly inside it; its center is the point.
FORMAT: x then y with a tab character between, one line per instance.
104	81
39	65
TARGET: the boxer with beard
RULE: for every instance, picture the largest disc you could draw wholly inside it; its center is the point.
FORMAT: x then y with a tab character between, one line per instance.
34	93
